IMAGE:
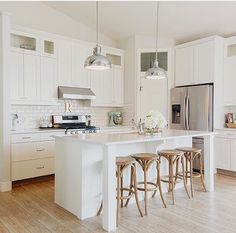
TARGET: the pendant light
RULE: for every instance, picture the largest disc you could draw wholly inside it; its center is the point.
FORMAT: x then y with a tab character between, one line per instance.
156	72
97	61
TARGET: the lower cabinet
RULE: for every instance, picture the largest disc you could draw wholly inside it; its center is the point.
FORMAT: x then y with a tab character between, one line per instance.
32	155
225	151
32	168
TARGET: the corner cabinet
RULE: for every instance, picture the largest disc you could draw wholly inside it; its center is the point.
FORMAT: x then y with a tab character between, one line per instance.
195	61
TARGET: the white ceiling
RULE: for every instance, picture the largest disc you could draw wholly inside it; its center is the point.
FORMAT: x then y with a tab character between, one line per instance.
179	20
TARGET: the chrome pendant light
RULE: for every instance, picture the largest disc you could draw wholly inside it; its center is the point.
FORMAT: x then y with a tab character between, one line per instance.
156	72
97	61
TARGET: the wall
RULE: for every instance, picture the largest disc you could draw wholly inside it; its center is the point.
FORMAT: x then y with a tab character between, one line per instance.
30	115
131	45
37	15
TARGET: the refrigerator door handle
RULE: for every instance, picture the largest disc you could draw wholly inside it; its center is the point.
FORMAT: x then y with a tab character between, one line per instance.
188	112
185	112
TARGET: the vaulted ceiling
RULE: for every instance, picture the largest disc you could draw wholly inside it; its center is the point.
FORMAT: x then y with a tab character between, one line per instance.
179	20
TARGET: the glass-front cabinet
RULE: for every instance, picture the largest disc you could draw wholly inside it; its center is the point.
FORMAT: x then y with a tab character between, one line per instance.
147	59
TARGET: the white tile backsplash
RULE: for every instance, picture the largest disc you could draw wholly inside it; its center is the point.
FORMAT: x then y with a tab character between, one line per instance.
30	115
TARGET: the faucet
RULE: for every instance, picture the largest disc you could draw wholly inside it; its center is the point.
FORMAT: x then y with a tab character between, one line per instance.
140	126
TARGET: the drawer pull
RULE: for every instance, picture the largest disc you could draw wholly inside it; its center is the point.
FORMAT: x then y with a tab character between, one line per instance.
40	167
26	137
38	150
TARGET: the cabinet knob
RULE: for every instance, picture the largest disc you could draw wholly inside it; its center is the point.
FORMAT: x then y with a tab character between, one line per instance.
26	137
40	167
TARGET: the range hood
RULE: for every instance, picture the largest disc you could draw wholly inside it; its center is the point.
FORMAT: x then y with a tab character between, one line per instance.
75	93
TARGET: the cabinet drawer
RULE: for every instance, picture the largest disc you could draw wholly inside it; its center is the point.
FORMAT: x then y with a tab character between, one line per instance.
32	150
18	138
48	136
32	168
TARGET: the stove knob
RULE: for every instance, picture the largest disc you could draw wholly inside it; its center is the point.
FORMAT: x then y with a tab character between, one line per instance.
77	131
72	132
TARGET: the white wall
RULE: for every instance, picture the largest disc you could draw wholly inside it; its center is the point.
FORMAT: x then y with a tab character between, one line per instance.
132	45
37	15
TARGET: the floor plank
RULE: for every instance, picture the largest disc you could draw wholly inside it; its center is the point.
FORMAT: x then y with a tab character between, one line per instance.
29	208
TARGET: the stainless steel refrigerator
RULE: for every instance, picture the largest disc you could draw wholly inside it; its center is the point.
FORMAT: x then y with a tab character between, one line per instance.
192	109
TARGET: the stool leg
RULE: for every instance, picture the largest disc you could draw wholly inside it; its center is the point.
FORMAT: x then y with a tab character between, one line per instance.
159	183
171	175
131	184
118	196
145	186
135	188
201	173
186	160
191	173
176	171
184	176
121	191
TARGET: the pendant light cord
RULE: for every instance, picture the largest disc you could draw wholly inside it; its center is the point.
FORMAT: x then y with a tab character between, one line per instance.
157	22
97	21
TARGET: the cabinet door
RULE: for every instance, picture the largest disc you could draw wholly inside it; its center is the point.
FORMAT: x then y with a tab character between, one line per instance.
229	80
31	76
118	75
48	79
16	76
222	153
233	155
203	62
184	66
64	63
108	88
97	86
80	75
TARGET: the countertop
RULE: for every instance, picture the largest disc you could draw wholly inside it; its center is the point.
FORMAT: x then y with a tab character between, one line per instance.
133	137
53	130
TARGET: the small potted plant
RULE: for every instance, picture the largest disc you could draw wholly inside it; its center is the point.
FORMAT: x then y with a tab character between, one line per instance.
155	122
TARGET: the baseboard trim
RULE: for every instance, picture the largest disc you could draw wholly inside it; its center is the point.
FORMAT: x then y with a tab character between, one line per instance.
226	172
5	186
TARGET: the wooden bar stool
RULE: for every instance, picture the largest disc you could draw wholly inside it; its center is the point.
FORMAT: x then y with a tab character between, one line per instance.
192	154
123	163
173	158
146	160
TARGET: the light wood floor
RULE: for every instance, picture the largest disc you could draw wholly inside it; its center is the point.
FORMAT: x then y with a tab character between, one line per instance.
30	208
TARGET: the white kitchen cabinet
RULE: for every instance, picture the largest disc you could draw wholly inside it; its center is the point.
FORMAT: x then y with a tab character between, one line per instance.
203	62
48	80
118	86
25	76
97	86
225	150
222	151
31	77
184	66
233	155
229	71
198	62
80	75
108	87
48	47
16	76
64	63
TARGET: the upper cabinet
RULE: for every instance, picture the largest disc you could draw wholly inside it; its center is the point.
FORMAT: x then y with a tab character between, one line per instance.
39	64
195	61
64	60
80	75
230	71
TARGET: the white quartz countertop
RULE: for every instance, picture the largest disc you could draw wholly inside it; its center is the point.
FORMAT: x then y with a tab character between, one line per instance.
53	130
133	137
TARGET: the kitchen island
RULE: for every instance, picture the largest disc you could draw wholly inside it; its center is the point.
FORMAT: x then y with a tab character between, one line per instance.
85	171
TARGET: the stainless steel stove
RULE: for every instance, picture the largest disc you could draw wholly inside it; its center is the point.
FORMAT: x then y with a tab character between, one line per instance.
74	124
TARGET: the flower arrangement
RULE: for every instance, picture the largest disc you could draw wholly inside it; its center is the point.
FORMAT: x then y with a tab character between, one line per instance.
154	122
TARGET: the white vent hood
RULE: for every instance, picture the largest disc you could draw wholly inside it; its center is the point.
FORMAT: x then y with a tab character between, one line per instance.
75	93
